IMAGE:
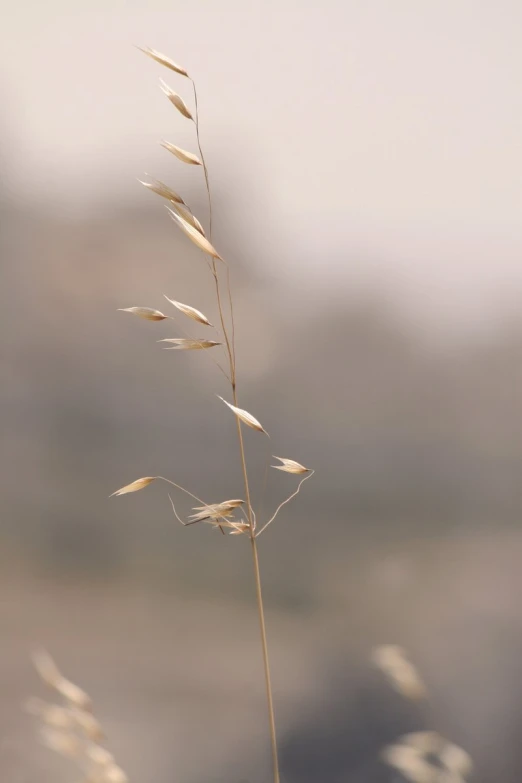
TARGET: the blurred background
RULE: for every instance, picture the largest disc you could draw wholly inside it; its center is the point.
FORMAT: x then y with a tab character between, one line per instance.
366	168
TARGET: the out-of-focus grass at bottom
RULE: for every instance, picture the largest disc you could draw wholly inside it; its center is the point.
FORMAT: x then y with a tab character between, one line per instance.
176	674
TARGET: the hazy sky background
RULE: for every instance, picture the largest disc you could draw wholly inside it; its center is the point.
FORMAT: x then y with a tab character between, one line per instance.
376	140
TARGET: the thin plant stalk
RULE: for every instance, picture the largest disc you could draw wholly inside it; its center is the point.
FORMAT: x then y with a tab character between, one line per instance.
251	519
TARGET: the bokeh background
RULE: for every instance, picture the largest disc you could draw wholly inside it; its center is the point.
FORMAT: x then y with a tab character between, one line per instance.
366	167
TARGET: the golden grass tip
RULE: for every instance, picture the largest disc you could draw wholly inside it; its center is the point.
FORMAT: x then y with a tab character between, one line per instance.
176	100
158	187
144	312
189	311
163	60
183	155
290	466
135	486
188	344
245	416
194	234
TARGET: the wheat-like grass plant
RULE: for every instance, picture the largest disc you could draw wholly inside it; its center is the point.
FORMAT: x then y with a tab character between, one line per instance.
236	516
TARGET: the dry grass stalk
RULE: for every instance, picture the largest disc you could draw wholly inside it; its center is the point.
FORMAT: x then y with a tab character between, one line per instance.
236	516
70	729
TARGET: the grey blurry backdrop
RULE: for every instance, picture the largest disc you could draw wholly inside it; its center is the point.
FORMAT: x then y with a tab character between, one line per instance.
366	165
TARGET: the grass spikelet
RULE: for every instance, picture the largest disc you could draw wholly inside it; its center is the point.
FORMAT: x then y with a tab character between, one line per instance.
290	466
61	742
144	312
176	100
114	774
163	60
187	344
411	763
158	187
245	417
456	760
421	756
401	673
46	668
188	217
183	155
51	675
189	311
216	511
70	731
52	715
135	486
193	234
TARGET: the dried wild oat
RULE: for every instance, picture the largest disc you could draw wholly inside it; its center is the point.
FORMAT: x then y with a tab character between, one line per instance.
163	190
163	60
188	344
191	312
176	100
193	234
144	312
135	486
290	466
245	417
183	155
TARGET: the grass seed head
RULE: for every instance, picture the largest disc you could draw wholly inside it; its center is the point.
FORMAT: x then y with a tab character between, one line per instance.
411	763
402	675
144	312
193	234
98	755
63	743
163	190
185	213
189	311
425	741
239	528
46	668
163	60
245	417
135	486
176	100
183	155
456	759
215	511
290	466
114	774
188	344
